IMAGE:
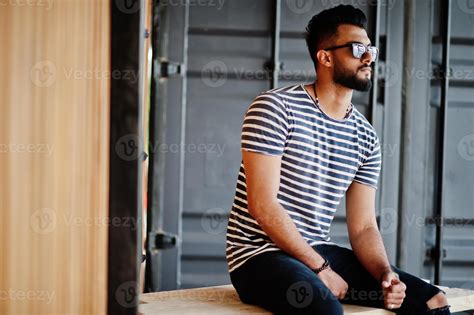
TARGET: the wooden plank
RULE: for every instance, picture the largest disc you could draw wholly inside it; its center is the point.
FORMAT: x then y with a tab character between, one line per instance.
225	300
459	299
54	156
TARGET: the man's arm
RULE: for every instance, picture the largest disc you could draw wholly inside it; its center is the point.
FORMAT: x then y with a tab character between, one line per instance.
262	173
364	234
367	242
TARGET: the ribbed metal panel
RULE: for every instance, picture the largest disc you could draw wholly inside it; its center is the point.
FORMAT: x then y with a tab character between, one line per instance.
458	187
229	52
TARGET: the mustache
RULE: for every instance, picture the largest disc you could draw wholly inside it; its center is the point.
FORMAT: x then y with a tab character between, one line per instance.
366	68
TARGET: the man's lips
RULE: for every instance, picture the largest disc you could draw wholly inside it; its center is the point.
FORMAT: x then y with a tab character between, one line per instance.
367	69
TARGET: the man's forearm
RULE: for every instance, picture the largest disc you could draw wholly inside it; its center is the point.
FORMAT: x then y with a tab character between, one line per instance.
369	249
281	229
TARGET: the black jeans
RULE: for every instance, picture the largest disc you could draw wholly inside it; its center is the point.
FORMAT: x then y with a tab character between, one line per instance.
282	284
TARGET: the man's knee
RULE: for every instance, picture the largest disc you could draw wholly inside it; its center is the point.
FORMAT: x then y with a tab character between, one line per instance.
438	300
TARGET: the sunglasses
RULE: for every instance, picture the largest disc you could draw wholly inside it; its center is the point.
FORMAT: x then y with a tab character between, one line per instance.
359	49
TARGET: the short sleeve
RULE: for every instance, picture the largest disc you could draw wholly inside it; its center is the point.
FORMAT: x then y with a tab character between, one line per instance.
265	125
368	173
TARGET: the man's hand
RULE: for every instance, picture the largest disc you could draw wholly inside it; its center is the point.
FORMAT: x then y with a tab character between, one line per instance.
334	282
393	290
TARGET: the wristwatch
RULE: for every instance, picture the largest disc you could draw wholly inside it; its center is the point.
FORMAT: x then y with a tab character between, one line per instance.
324	266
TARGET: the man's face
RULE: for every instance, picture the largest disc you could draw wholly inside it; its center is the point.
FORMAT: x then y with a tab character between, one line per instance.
349	71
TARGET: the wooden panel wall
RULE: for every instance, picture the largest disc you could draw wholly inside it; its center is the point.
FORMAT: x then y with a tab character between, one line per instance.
54	153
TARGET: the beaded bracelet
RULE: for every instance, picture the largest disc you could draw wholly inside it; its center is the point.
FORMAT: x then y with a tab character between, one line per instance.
324	266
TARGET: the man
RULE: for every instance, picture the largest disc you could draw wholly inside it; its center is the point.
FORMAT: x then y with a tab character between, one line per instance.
303	148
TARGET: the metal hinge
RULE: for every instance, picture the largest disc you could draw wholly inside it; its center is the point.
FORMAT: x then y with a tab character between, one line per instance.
432	253
163	240
168	69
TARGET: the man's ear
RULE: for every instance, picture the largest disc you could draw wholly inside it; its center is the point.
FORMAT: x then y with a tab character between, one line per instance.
324	58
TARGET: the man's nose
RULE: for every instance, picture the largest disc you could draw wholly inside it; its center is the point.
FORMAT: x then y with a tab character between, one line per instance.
367	58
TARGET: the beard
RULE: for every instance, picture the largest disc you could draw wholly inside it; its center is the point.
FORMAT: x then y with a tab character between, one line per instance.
350	80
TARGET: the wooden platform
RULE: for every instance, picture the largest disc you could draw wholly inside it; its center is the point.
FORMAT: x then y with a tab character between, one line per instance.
224	300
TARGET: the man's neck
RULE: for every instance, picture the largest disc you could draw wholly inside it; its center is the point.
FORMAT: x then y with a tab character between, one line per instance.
334	99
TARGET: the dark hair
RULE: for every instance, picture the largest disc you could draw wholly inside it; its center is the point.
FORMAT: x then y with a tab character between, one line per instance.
323	26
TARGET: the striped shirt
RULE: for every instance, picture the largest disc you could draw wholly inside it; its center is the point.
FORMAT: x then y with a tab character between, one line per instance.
320	158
